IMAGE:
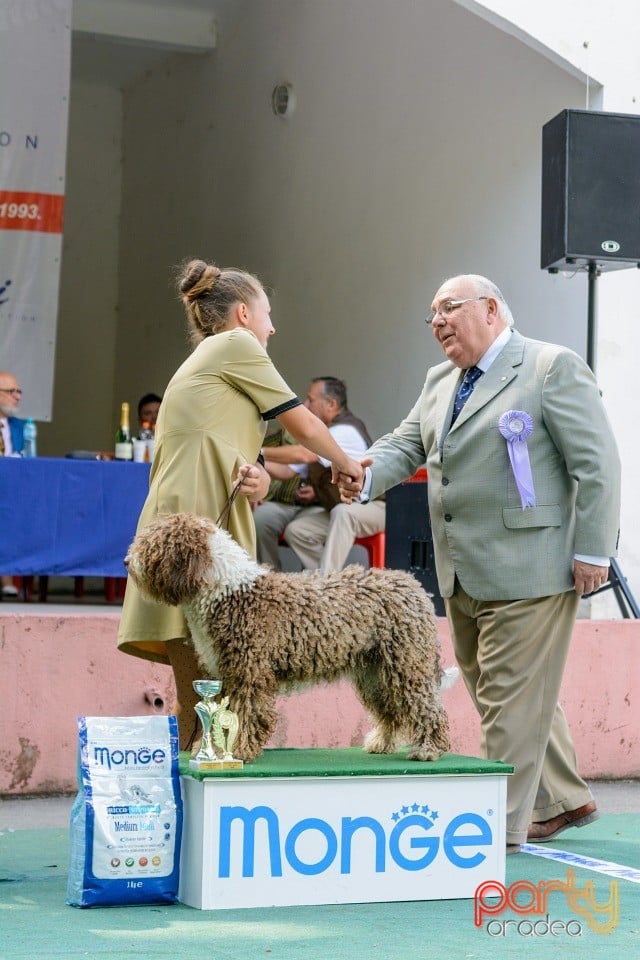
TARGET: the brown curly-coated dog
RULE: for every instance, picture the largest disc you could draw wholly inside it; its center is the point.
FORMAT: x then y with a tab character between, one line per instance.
259	631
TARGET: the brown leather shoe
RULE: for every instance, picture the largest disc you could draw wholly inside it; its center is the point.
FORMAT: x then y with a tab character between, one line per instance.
549	829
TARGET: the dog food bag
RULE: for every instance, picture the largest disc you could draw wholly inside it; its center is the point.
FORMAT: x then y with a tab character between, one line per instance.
126	821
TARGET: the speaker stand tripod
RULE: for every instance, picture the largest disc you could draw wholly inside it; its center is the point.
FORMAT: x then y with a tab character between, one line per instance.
616	582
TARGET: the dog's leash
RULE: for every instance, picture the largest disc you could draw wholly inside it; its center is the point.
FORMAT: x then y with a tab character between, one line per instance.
223	519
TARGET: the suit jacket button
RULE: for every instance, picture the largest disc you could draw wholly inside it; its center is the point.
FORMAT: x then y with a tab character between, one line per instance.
445	481
448	517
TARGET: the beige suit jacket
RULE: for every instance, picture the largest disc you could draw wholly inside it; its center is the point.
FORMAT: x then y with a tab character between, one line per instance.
481	533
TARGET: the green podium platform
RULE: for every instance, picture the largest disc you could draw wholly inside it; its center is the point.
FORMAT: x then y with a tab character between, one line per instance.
341	826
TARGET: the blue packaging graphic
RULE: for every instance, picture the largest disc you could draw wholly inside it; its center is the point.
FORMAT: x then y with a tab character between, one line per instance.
126	821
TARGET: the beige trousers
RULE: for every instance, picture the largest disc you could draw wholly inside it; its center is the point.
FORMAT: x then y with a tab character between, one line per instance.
512	655
323	540
271	518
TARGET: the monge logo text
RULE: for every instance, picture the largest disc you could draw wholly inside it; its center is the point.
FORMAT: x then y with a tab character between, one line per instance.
142	756
414	838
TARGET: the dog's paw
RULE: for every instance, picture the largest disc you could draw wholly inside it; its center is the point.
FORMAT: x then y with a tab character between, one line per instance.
424	751
376	742
246	752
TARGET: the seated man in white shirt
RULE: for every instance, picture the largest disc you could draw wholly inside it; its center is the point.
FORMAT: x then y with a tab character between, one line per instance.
318	527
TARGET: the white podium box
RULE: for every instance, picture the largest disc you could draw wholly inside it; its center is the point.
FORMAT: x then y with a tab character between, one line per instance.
292	830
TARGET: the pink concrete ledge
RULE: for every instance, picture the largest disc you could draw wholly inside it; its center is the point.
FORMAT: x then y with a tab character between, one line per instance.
54	668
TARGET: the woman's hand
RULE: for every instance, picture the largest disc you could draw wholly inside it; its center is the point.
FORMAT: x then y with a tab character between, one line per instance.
253	481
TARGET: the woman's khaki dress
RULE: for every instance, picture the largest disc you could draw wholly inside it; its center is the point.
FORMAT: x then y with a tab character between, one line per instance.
212	420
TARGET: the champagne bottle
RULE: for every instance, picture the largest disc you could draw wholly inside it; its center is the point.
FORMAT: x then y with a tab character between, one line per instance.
124	446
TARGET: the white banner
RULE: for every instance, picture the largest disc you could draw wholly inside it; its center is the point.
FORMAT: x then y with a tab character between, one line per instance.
35	61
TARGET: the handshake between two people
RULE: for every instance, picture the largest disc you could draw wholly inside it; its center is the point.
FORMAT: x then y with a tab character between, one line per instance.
252	480
350	482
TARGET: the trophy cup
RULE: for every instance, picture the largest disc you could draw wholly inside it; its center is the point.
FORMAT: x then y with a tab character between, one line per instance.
219	730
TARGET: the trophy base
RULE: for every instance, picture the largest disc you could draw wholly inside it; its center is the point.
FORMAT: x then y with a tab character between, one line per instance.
214	766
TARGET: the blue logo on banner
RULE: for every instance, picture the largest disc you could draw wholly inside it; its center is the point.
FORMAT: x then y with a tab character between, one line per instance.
412	843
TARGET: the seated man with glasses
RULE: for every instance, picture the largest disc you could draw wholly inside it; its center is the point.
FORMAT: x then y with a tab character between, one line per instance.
11	440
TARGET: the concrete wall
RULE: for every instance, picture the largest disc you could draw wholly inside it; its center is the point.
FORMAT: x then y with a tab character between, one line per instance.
401	165
56	668
166	217
83	408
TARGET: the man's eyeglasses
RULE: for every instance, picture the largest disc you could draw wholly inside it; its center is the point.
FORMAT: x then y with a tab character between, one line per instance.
447	307
16	391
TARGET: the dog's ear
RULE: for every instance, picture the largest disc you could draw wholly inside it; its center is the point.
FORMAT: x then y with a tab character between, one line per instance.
183	570
170	558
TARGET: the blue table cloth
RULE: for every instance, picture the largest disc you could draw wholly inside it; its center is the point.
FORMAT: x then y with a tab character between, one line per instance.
68	517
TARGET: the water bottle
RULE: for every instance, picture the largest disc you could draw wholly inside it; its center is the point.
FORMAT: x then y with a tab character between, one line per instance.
147	434
30	438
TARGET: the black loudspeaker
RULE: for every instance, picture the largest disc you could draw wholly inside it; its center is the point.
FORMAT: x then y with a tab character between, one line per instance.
590	190
409	544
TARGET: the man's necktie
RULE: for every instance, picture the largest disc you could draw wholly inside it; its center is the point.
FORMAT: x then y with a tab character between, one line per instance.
465	390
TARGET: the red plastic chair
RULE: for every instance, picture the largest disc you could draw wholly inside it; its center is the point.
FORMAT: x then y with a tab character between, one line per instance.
420	476
375	547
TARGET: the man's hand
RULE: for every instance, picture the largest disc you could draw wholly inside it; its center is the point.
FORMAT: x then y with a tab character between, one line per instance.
348	471
253	481
587	577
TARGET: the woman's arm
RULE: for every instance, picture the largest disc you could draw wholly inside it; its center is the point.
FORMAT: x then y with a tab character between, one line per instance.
311	432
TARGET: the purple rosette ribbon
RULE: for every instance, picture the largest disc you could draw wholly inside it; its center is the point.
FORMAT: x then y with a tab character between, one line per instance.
516	426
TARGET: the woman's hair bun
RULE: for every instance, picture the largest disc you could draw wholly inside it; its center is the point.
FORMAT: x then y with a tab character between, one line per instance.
197	278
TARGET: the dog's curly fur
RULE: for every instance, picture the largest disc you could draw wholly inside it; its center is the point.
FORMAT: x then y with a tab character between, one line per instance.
259	631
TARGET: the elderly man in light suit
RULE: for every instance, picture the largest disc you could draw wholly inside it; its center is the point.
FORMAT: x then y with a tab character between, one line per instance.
512	558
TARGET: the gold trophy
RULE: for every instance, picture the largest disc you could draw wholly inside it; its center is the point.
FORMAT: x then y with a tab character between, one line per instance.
219	730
